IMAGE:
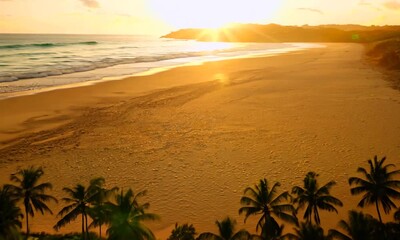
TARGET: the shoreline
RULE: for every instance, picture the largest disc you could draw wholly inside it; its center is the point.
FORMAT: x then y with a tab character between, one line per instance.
27	86
237	121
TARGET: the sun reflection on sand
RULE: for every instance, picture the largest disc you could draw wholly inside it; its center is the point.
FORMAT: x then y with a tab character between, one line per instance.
222	78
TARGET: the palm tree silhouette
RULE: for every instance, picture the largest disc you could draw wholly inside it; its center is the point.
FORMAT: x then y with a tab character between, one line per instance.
308	231
99	213
183	232
226	230
359	227
10	215
32	193
379	185
127	216
315	198
265	201
79	200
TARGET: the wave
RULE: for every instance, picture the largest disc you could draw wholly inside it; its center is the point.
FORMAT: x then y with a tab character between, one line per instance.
102	63
88	66
45	45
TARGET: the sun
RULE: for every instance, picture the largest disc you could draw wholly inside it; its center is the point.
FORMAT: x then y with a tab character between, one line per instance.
213	13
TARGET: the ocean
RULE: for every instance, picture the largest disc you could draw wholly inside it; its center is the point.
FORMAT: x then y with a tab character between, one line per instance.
36	61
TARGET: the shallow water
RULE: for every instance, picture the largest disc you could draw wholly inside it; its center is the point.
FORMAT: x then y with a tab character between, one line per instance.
52	60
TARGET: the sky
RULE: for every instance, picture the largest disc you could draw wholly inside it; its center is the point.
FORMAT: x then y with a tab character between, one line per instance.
159	17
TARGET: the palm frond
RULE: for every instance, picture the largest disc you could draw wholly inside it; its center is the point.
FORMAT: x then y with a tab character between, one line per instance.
208	236
298	190
344	225
326	188
249	201
250	191
359	190
286	217
41	206
283	196
283	208
249	211
69	217
365	200
241	235
326	206
359	181
336	234
42	187
365	173
272	192
330	199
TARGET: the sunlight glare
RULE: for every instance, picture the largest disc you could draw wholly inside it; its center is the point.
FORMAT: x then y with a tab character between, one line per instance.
212	13
213	46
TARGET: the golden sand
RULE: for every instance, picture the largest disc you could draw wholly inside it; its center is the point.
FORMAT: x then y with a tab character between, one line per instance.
196	136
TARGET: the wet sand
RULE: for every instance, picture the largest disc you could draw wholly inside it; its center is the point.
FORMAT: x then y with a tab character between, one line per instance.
196	136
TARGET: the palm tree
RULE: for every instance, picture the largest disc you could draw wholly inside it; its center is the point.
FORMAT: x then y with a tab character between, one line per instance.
127	217
10	215
226	230
78	200
99	213
265	201
32	193
379	185
183	232
315	197
308	231
77	205
359	227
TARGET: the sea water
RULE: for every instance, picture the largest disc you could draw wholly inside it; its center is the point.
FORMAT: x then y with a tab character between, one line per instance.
35	61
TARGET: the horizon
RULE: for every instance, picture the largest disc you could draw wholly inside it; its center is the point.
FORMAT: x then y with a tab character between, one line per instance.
218	28
156	17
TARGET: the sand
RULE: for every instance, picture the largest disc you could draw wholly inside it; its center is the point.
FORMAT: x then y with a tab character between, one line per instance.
196	136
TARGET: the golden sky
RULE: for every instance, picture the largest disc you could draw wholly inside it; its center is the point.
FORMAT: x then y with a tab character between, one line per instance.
161	16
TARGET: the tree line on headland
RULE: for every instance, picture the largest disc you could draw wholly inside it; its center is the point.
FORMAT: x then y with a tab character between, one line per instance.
383	42
123	215
279	33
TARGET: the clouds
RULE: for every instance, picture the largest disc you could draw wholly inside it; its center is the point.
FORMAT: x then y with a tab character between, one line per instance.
394	5
311	10
90	3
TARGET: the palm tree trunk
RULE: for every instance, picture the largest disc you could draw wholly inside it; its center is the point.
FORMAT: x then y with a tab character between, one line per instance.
100	231
264	231
27	222
379	213
87	229
83	226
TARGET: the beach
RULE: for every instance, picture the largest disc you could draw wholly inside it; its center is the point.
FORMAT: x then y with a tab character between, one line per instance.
196	136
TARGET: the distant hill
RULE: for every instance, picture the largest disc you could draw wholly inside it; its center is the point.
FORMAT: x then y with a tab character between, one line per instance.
278	33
